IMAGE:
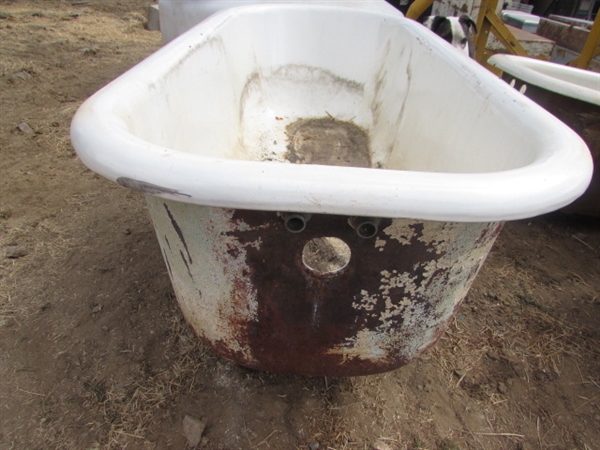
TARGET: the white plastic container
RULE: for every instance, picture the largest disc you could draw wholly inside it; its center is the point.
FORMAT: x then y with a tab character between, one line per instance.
524	21
178	16
265	129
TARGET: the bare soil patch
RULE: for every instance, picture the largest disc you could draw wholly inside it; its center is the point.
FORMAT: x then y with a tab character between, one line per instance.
94	353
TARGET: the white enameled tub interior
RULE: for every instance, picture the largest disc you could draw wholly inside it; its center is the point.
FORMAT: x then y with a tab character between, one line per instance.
210	118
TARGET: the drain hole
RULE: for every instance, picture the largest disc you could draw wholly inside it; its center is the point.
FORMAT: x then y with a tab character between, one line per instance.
326	255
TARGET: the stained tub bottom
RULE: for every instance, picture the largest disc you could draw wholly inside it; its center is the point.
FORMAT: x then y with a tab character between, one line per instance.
304	114
327	141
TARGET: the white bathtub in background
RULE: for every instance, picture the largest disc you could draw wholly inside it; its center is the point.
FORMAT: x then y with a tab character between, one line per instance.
348	118
570	94
564	80
524	21
178	16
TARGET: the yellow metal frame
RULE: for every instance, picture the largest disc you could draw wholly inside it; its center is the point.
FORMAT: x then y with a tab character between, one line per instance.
418	8
590	48
488	21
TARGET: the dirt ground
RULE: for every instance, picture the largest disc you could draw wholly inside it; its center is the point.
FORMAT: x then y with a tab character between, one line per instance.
94	353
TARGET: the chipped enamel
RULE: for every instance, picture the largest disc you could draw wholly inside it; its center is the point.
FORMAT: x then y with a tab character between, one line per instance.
397	314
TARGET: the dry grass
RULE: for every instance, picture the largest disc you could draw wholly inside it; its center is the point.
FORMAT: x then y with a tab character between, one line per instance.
73	30
127	411
47	242
533	336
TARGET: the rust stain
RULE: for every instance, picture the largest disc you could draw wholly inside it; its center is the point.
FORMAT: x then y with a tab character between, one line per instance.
179	233
187	266
302	315
262	307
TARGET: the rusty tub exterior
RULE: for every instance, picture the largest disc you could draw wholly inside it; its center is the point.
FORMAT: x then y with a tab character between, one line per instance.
245	285
321	206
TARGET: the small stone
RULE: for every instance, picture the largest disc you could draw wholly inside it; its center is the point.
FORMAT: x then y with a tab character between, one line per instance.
96	309
502	388
381	445
104	328
91	50
15	251
314	445
22	75
460	373
24	128
127	231
153	23
493	356
192	430
520	370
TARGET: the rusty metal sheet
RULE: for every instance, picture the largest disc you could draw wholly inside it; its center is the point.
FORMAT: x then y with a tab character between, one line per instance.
244	287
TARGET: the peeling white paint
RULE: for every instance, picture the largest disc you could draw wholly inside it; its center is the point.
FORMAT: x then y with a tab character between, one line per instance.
427	307
379	243
375	344
402	315
218	295
400	232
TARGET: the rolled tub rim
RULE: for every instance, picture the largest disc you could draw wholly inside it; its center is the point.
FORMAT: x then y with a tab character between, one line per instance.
104	144
537	72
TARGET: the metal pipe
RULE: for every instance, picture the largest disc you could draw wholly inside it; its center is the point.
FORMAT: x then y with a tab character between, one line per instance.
488	21
365	227
295	222
590	48
417	8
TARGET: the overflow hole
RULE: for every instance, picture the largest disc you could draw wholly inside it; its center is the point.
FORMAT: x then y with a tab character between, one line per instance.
326	255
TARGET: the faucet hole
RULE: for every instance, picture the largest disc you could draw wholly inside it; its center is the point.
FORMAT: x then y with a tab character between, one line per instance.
326	255
365	227
295	224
